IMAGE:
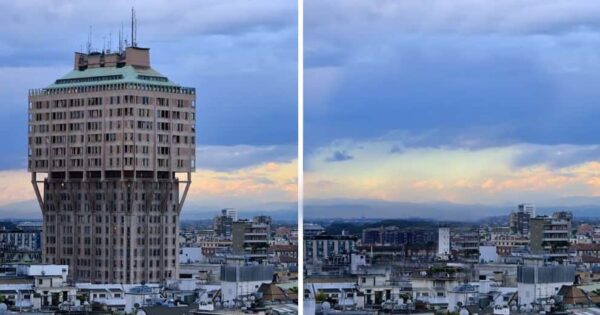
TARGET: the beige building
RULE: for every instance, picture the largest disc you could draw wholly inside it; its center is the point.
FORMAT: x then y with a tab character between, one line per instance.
111	151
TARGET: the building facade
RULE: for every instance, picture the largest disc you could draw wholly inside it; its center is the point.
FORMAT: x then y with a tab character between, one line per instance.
112	144
318	248
223	223
550	235
20	239
250	239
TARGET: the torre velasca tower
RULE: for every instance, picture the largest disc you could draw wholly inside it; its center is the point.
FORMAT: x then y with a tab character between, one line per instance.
111	151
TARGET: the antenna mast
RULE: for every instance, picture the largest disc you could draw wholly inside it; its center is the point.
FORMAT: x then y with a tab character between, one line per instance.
109	42
121	39
89	41
133	28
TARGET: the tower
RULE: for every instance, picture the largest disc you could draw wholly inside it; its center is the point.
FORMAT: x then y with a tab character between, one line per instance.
443	242
527	208
111	152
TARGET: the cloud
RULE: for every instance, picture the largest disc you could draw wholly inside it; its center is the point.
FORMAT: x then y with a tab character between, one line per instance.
339	156
226	158
62	26
486	175
479	74
265	182
15	186
360	19
558	156
397	149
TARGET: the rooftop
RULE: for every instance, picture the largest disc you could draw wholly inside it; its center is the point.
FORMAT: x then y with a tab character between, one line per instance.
112	75
108	71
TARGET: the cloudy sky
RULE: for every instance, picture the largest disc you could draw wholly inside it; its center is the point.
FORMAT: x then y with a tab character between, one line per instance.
462	101
239	55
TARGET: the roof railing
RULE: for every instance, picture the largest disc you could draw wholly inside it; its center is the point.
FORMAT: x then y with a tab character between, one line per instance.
112	87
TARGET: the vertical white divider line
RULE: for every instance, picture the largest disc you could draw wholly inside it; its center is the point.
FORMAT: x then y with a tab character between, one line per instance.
300	187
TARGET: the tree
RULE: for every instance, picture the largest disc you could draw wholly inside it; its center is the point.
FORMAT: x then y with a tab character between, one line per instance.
321	297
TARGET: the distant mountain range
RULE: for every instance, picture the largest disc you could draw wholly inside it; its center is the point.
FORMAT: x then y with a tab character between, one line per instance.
442	211
582	207
279	211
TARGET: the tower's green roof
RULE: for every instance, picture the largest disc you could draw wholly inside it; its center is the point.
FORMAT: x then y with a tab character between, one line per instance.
112	75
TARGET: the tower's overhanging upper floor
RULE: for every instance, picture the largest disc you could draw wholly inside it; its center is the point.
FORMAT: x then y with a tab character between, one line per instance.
112	112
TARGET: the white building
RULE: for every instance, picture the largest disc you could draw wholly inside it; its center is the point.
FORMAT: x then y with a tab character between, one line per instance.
527	208
443	242
488	254
48	287
188	255
537	283
342	290
357	261
232	213
238	282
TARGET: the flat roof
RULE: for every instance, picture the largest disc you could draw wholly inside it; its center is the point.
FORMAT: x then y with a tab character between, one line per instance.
112	75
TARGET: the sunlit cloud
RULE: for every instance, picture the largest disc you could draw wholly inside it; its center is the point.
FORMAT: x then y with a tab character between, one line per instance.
15	186
267	182
450	174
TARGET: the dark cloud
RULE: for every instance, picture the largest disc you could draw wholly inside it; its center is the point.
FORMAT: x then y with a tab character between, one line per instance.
227	158
556	156
471	90
339	156
397	149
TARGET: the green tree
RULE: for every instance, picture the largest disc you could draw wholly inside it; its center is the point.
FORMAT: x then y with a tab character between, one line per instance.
321	297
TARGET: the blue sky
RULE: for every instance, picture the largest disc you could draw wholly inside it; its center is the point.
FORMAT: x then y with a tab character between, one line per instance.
239	55
462	101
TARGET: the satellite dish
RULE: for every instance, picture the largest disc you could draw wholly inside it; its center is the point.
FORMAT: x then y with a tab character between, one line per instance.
140	312
3	307
326	306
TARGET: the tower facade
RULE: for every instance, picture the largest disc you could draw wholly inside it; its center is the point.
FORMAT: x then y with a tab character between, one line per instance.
111	152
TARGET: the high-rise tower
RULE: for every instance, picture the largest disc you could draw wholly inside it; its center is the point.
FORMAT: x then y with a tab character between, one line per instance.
112	144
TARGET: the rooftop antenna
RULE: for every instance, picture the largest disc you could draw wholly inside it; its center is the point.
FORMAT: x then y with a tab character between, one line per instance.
89	41
109	42
103	44
133	28
121	39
